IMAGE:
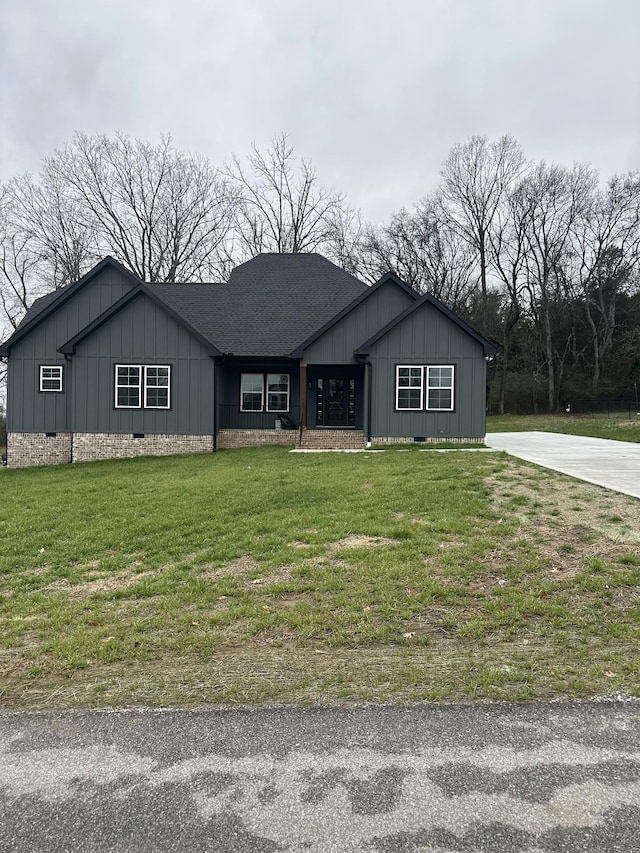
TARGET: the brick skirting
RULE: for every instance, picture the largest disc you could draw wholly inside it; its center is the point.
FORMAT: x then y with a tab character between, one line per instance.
228	439
25	449
89	446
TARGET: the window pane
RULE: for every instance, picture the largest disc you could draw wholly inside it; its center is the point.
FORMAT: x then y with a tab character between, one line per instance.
156	387
251	392
409	387
409	398
277	392
128	390
440	399
157	375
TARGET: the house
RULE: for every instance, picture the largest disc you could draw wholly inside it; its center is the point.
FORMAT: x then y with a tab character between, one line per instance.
292	350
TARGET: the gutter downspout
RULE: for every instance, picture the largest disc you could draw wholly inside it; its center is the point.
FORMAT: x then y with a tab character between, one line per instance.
368	383
216	413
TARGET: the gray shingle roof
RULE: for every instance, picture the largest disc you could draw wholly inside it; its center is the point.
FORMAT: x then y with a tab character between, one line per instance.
270	305
37	306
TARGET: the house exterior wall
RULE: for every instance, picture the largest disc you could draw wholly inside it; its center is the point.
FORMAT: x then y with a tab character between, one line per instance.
427	337
337	344
28	409
142	333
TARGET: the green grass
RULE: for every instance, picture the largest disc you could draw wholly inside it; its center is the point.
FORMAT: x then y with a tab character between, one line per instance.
261	575
619	427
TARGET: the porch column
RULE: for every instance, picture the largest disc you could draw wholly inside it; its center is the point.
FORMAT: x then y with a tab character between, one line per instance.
303	395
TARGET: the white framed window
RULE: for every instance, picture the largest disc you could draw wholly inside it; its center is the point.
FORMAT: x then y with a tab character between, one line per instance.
440	387
251	392
277	392
143	385
128	386
157	386
409	388
50	377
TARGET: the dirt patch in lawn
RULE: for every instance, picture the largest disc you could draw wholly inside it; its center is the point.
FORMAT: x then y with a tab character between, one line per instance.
104	584
356	540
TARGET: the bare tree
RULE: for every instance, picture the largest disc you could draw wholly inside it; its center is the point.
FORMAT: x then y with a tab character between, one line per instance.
423	251
45	211
163	214
606	253
280	206
508	249
475	177
20	262
549	201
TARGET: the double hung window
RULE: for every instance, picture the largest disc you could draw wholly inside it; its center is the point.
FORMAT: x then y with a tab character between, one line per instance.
424	387
140	386
50	378
260	392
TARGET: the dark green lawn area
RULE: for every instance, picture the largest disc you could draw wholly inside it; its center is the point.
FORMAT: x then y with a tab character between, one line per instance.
265	576
619	427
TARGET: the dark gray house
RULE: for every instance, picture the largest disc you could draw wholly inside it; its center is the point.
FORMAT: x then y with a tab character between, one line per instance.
292	350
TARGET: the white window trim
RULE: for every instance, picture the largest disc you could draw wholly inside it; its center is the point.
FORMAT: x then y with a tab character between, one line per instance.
252	411
451	388
166	367
266	395
143	386
400	367
58	378
117	385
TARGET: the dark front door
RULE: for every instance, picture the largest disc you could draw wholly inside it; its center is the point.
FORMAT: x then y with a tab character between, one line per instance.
335	401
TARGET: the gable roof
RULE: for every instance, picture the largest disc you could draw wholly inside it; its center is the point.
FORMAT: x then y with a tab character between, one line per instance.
46	305
488	347
388	277
141	290
269	306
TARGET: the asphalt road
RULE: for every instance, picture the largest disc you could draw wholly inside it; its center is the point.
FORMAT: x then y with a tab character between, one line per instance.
535	777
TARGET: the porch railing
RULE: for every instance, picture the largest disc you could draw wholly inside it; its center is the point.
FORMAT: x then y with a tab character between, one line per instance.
230	417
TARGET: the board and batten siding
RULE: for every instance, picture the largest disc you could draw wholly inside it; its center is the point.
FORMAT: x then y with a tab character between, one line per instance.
142	333
28	409
337	344
428	337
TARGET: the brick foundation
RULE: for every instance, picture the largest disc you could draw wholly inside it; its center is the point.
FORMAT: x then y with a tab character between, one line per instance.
25	449
228	439
89	446
393	439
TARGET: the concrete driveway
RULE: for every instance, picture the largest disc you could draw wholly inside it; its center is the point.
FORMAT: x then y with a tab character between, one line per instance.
612	464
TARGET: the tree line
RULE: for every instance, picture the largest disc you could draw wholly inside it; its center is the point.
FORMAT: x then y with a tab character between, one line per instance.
542	258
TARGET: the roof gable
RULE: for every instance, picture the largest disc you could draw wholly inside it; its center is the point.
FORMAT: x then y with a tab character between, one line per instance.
488	347
68	348
386	279
45	306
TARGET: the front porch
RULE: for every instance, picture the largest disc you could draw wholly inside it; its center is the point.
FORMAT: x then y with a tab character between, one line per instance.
290	404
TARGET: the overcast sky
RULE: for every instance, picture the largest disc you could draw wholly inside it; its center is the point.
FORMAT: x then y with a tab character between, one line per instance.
373	92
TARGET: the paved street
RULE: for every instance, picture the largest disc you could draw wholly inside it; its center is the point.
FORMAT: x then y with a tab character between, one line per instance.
535	777
612	464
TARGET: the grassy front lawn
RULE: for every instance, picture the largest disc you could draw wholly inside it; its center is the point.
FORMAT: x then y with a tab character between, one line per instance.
260	575
619	427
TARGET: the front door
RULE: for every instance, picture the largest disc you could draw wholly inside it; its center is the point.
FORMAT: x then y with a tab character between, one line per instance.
335	401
